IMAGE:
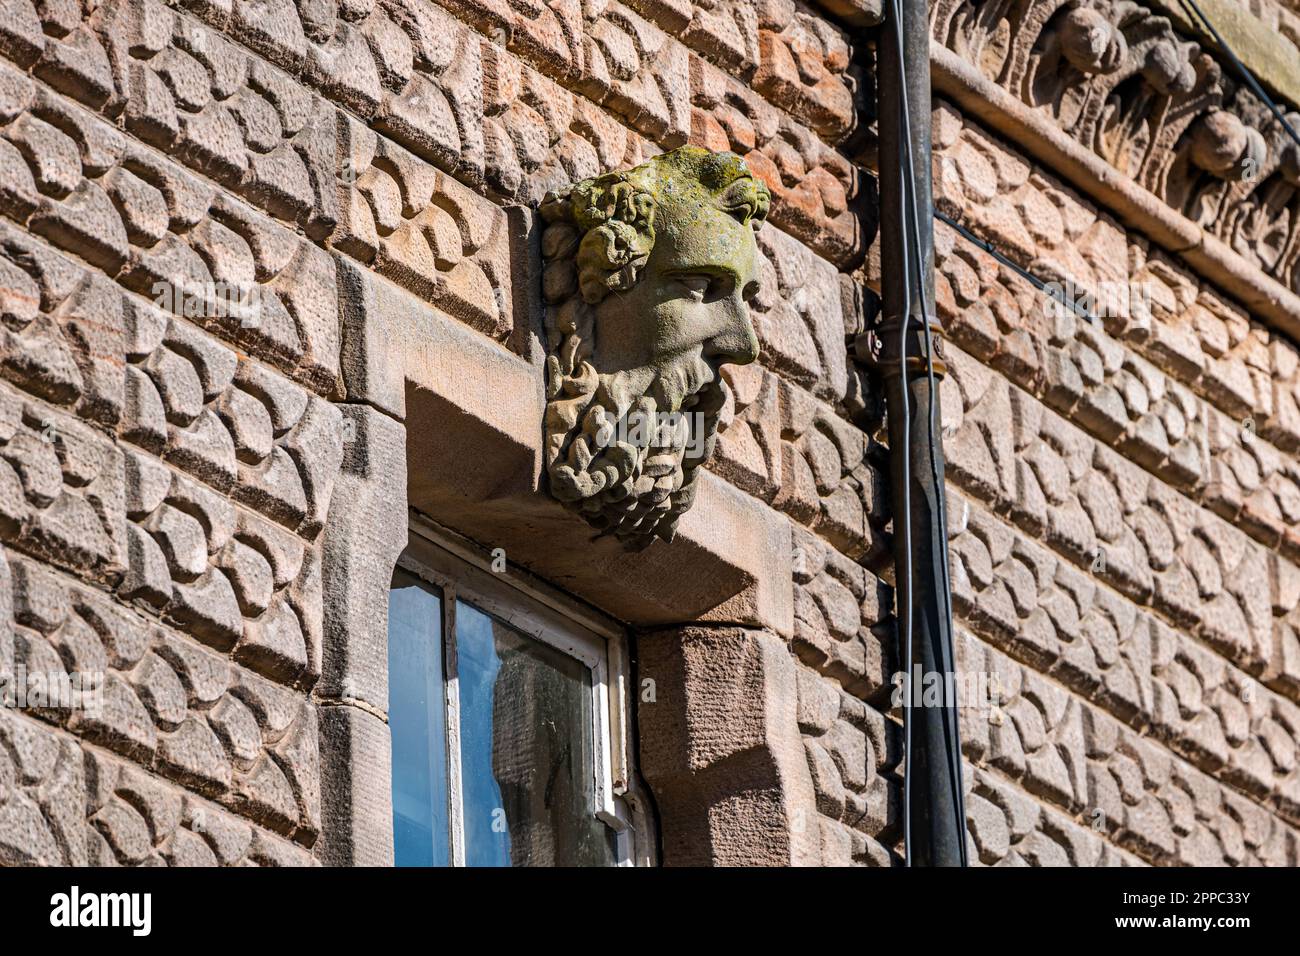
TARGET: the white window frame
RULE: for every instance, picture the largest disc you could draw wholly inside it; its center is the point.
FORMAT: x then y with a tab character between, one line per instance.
459	568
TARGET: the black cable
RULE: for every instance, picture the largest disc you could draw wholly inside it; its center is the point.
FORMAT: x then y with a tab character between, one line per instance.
1194	12
905	454
913	235
905	512
940	488
907	253
1048	290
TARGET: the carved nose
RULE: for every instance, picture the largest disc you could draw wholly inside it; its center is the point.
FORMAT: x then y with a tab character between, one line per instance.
736	342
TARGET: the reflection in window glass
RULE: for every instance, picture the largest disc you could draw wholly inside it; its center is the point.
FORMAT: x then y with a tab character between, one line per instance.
527	759
417	721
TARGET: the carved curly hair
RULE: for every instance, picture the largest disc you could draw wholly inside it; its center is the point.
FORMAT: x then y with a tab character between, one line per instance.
612	217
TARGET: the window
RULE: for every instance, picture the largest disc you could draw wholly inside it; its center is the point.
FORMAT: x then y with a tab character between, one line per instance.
505	713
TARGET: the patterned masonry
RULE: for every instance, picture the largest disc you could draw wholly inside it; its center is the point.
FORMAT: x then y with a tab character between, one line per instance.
202	503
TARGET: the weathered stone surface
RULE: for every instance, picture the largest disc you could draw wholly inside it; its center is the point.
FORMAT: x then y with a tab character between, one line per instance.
648	274
1145	300
721	749
61	493
1120	784
1018	597
165	703
1011	828
219	219
843	623
42	796
364	536
796	60
1107	516
1213	456
781	445
356	795
107	198
1075	60
555	102
424	230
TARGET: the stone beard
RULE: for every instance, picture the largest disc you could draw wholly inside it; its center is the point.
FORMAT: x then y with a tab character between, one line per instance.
647	281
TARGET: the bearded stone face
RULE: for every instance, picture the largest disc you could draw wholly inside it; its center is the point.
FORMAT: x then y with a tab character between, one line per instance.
648	278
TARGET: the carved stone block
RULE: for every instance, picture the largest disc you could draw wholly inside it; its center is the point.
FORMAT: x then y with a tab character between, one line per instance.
647	281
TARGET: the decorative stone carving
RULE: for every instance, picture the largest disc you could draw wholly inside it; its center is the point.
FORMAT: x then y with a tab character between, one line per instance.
1120	79
647	283
1127	788
162	232
180	710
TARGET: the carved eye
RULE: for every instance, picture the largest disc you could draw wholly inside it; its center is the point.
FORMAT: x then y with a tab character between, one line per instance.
750	290
696	285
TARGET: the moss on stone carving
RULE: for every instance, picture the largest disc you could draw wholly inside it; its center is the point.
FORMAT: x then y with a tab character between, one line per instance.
615	213
633	382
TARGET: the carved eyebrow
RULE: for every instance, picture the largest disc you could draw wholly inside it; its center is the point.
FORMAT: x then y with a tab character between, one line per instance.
710	269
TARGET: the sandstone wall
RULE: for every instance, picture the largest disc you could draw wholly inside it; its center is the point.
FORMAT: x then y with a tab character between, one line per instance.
206	507
1127	488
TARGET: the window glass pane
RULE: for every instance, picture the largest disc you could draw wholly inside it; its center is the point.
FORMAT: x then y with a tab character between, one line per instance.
417	721
527	773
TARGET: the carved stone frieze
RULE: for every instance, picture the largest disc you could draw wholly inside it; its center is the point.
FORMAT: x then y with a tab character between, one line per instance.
1159	107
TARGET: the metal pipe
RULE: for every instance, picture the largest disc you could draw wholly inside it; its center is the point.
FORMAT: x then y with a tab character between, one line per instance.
908	351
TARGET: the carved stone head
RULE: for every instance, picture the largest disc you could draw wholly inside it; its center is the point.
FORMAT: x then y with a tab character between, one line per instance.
647	282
